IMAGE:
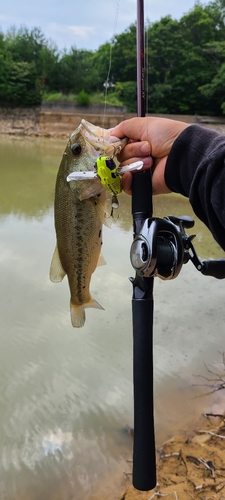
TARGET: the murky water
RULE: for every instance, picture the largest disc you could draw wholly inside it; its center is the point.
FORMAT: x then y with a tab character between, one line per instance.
66	394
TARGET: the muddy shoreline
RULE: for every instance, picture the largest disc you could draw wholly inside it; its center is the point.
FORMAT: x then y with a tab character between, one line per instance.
54	123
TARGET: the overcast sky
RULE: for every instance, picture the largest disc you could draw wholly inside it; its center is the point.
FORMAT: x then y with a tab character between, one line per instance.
85	24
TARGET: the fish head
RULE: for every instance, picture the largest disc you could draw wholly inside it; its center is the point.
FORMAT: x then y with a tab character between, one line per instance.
87	143
100	139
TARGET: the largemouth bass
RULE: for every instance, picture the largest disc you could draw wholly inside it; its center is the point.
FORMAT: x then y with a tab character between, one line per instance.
79	215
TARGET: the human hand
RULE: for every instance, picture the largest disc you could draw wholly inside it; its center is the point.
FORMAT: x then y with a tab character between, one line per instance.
151	140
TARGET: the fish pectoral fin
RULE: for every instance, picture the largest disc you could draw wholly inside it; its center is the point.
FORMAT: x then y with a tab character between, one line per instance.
101	261
78	312
57	272
102	215
91	191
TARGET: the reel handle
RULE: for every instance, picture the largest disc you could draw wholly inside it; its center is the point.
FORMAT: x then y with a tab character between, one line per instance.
215	268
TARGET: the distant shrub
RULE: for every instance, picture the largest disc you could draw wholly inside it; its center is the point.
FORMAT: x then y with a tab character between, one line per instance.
83	98
112	98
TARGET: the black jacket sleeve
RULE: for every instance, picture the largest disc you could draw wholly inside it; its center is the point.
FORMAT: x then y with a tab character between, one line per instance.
196	168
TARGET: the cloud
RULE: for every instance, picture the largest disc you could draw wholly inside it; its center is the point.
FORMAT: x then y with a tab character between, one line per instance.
69	35
82	31
96	26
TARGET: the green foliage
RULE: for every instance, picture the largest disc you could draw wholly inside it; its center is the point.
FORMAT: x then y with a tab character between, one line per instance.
83	98
180	65
20	78
128	94
76	72
215	89
111	98
124	56
185	66
22	84
100	61
53	97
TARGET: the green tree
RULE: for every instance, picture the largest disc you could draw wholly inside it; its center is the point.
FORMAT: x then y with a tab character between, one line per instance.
75	71
5	64
24	56
22	85
124	56
115	63
127	92
101	62
164	44
179	65
215	89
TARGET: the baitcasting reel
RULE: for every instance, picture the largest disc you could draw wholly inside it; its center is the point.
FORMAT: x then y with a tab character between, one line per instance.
162	246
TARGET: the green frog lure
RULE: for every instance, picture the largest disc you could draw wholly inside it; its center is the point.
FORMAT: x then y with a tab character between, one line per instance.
109	175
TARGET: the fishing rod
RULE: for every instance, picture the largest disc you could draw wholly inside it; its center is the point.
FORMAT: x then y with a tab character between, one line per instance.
144	462
160	248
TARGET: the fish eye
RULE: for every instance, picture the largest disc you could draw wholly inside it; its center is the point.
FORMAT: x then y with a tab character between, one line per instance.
76	148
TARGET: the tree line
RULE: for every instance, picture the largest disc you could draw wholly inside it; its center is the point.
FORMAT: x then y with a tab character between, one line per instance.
185	66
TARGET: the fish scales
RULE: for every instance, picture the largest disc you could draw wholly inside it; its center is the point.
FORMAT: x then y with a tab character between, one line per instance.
79	215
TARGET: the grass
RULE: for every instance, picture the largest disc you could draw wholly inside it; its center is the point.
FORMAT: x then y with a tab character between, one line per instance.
111	99
58	97
95	99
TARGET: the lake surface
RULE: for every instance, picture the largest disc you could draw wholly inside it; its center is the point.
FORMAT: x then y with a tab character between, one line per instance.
66	394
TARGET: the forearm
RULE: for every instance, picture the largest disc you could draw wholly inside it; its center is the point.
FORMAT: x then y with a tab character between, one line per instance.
196	169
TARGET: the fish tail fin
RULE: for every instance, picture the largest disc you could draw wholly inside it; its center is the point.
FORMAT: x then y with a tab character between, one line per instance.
77	315
78	312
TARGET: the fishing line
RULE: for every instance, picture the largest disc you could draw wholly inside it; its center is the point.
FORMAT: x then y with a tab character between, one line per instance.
147	27
107	83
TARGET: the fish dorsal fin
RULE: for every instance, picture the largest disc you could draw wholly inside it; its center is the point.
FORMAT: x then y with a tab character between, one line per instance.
57	272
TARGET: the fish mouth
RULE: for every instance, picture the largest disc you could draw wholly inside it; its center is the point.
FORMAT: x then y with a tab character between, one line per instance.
101	140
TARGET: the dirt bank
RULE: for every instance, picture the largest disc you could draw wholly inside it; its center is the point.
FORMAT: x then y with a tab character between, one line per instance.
189	468
38	122
55	123
20	121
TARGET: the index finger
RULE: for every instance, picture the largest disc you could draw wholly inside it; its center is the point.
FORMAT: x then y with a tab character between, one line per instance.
132	128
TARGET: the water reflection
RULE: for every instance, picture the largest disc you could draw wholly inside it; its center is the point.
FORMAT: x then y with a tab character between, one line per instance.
66	395
28	169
